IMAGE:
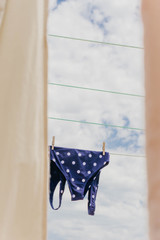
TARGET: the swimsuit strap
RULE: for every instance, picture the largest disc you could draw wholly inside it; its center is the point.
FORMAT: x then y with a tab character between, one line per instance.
55	177
93	188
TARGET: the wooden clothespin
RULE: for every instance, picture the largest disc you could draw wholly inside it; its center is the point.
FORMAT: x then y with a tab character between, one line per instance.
53	142
103	148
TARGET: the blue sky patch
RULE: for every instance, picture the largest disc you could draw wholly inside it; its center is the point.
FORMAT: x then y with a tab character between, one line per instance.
97	17
60	1
129	144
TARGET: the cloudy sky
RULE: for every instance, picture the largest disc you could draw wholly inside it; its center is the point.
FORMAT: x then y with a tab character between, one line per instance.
121	202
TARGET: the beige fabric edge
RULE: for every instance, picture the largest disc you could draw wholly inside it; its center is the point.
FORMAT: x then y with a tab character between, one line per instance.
23	123
151	20
2	10
46	167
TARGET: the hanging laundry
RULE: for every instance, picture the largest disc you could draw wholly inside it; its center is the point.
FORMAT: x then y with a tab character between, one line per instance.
81	169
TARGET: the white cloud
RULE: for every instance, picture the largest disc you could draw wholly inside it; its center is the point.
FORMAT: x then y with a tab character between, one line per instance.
121	201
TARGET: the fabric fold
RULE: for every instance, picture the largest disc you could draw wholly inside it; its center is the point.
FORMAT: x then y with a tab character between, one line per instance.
23	120
151	19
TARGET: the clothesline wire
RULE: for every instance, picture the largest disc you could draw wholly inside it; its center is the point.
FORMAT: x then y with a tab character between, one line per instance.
127	155
95	89
94	123
111	153
100	90
94	41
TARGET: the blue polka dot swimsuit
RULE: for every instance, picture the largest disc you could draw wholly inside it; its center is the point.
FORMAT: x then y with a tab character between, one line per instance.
81	170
